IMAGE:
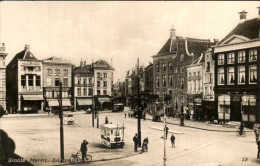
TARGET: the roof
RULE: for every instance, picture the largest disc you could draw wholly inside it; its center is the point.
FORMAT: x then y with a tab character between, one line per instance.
111	126
83	70
56	60
102	64
199	60
248	29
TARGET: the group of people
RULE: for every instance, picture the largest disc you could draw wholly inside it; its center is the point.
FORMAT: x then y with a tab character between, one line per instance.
144	146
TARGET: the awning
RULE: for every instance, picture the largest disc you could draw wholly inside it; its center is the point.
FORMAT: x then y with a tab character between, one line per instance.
84	101
66	102
53	102
32	97
104	99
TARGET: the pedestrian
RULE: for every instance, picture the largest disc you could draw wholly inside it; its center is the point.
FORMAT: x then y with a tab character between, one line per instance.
173	141
145	144
166	129
84	149
136	140
241	128
144	116
256	131
125	115
106	120
258	145
128	114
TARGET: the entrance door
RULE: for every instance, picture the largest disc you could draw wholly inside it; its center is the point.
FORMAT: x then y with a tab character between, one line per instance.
236	111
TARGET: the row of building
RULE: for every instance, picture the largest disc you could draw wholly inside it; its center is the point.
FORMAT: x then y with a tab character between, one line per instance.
212	80
31	85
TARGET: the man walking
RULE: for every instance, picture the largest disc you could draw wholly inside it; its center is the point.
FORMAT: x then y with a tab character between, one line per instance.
135	139
173	141
84	149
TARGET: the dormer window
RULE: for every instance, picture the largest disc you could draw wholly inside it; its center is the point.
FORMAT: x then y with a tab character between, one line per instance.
253	55
231	58
182	57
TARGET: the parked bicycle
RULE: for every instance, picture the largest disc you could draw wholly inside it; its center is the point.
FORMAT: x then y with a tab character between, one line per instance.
243	134
75	158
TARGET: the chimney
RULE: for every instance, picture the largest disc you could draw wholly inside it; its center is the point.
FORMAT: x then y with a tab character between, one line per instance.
172	32
216	41
242	16
27	47
81	63
2	49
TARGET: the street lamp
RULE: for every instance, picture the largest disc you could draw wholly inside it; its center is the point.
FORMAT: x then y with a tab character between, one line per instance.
61	126
164	122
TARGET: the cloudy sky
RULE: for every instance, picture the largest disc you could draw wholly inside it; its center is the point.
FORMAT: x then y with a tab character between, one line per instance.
121	31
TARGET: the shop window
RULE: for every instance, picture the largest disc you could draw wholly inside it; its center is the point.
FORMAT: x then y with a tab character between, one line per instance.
248	108
221	59
231	58
253	74
241	57
231	75
224	107
252	55
221	78
241	75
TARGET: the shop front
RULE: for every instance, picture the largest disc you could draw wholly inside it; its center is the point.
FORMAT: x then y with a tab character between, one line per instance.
31	103
84	103
224	108
248	109
197	103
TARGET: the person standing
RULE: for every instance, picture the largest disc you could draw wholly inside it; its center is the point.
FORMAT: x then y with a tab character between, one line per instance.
106	120
173	141
135	139
84	149
241	128
125	114
145	144
258	145
166	129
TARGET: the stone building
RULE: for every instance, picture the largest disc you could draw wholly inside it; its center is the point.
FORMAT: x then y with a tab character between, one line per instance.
3	55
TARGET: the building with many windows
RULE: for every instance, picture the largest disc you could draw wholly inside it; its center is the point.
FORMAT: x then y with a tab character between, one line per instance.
24	83
237	71
56	70
83	86
3	55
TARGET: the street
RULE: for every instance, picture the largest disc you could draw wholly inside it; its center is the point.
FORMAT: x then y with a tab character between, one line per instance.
38	138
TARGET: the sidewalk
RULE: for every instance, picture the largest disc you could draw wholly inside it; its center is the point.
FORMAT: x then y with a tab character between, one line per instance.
201	125
41	114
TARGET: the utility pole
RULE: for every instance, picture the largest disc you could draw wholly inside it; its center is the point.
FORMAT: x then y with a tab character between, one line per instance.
61	127
139	105
164	122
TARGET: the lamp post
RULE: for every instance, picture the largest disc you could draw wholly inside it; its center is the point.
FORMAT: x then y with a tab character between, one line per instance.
61	127
164	122
139	105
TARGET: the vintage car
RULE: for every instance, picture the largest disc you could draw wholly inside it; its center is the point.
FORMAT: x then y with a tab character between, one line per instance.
119	107
69	119
112	135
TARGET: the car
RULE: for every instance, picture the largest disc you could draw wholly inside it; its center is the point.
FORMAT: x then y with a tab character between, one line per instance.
69	119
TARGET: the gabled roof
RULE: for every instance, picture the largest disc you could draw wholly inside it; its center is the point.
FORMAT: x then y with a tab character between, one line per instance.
83	70
248	29
102	64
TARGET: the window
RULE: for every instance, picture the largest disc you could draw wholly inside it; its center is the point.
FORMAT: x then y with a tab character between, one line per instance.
65	71
231	58
208	66
104	84
221	59
253	74
65	81
176	84
30	80
182	83
104	92
90	91
98	92
79	80
210	78
253	55
170	66
221	78
182	57
231	75
241	57
90	80
164	66
105	75
84	91
84	81
49	71
241	75
198	73
57	82
38	80
57	71
224	107
181	69
157	81
98	83
206	90
79	91
170	80
23	80
158	67
164	80
175	69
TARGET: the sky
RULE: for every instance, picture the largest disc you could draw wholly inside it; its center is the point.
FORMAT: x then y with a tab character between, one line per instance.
118	32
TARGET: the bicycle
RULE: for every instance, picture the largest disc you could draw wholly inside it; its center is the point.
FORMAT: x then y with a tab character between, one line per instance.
76	159
243	133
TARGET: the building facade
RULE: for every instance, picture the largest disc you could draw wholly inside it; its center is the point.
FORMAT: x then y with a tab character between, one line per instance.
237	71
83	86
3	55
56	70
24	83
